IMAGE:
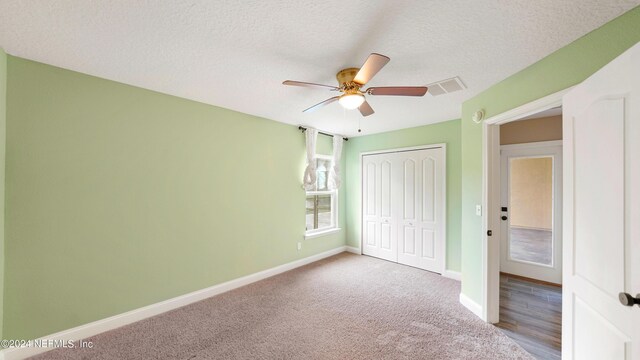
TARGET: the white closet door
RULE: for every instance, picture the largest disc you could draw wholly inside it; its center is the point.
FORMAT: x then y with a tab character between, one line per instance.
421	209
403	204
379	227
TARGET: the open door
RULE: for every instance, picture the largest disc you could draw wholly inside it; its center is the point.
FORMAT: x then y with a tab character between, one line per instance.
601	270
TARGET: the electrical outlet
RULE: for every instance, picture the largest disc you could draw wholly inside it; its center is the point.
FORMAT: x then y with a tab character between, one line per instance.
479	210
299	246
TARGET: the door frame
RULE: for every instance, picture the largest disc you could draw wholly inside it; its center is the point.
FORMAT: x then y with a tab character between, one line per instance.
443	146
534	150
491	197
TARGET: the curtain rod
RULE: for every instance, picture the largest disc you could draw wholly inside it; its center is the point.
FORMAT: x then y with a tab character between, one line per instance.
303	129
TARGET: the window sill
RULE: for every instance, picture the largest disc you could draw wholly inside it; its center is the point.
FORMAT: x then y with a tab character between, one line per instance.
321	233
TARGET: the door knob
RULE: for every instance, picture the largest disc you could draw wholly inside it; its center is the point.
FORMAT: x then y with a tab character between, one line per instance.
504	217
628	300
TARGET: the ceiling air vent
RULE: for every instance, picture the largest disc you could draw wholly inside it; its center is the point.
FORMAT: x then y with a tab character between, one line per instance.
446	86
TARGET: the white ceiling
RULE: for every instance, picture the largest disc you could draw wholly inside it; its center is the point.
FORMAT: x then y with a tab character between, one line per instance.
235	54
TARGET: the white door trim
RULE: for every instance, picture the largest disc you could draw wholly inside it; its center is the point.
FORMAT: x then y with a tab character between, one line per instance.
402	149
491	197
532	145
443	253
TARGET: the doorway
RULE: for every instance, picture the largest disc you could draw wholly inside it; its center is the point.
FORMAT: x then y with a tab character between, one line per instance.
530	301
523	243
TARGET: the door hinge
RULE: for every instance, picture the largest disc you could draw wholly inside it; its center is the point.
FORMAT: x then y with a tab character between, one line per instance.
489	232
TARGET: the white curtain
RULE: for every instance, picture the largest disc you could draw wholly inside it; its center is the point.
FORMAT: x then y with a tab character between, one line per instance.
309	180
334	172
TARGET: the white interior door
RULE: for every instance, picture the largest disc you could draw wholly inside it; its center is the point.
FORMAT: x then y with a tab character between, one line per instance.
601	123
379	226
403	207
421	209
531	210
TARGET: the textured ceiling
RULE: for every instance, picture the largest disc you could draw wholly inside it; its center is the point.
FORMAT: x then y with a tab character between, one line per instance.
235	54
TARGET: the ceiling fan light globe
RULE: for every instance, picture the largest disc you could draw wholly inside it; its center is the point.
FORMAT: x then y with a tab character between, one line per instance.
351	101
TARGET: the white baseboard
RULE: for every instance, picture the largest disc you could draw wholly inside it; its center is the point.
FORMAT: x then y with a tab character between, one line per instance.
353	249
116	321
473	306
455	275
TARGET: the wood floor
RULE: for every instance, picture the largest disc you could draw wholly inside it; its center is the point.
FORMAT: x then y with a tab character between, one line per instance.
531	314
531	245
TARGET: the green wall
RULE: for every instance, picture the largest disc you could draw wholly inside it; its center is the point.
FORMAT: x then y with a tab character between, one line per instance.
560	70
3	123
445	132
119	197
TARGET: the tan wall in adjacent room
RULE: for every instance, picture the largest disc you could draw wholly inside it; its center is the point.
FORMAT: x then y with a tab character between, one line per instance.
534	130
531	193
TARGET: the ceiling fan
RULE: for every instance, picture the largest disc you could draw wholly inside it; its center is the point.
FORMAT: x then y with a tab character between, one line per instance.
350	82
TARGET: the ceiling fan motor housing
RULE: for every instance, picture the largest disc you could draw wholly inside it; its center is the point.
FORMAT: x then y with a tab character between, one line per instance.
346	76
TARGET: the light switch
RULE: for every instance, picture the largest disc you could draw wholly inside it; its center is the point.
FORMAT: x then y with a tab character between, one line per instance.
479	210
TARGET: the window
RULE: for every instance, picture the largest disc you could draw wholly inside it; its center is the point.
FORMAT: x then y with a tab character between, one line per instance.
321	203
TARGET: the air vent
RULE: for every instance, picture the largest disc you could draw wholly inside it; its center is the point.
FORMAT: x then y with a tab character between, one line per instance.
446	86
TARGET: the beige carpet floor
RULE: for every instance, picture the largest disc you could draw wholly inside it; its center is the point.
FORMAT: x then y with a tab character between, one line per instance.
343	307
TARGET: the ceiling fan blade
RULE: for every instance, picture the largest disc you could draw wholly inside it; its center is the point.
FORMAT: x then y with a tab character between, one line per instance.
398	90
319	105
370	68
365	109
306	84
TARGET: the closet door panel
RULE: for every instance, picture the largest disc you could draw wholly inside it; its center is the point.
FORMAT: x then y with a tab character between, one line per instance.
379	229
385	236
409	241
385	183
370	189
431	222
409	189
428	199
410	237
370	233
422	207
403	207
428	244
369	210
